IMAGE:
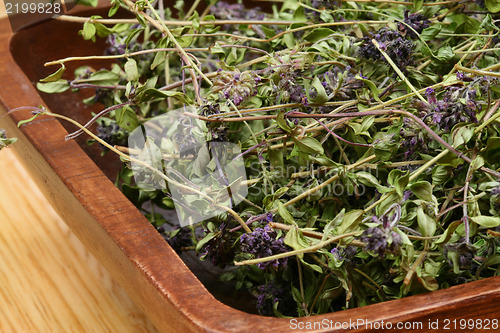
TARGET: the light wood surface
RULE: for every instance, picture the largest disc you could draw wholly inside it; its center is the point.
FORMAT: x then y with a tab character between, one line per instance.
49	281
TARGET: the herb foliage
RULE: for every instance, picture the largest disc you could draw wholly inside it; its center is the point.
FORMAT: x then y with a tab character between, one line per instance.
370	132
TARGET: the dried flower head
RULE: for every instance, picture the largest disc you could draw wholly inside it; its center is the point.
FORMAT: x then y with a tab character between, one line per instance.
271	296
4	141
416	21
399	48
262	242
235	85
383	239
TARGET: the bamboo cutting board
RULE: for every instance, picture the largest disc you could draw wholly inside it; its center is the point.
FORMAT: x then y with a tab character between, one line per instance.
49	282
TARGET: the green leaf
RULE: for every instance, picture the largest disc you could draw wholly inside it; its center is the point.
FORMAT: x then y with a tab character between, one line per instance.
92	3
439	175
318	34
351	221
22	122
487	221
308	145
88	31
423	190
492	5
492	150
131	70
445	53
53	87
275	157
126	118
55	76
101	78
285	214
321	96
417	5
152	94
296	240
282	123
160	57
373	88
399	180
426	223
462	135
446	236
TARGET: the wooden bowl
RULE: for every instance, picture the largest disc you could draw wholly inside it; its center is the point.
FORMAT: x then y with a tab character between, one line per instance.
133	251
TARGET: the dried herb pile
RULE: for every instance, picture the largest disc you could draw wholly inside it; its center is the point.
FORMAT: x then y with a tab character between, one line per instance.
369	130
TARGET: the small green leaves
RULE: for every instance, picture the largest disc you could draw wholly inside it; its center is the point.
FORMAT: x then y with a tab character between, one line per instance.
126	118
26	121
492	5
89	30
426	224
131	70
308	145
487	221
58	86
151	94
398	179
423	190
55	76
284	213
100	78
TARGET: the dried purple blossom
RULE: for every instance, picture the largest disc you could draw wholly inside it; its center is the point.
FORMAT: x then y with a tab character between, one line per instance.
112	134
4	140
340	85
320	5
289	90
399	48
178	238
465	252
415	139
383	239
237	11
219	250
416	21
456	106
262	243
270	294
235	85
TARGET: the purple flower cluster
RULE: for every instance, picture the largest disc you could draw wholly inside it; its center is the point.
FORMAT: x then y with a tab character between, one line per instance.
288	90
399	48
465	252
219	250
112	134
414	139
383	239
416	21
320	5
178	238
235	85
340	84
237	11
116	45
456	106
262	243
269	294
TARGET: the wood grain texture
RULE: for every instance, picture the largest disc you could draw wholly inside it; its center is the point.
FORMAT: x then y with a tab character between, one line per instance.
137	256
49	280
